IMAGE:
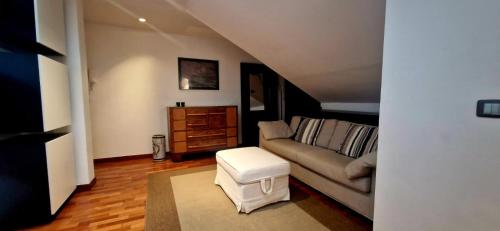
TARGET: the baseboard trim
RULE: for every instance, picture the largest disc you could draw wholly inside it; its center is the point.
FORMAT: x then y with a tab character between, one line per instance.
134	157
86	187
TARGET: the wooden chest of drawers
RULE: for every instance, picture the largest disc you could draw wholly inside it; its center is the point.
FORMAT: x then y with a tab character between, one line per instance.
200	129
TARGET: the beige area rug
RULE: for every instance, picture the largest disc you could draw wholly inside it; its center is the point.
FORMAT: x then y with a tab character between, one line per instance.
189	200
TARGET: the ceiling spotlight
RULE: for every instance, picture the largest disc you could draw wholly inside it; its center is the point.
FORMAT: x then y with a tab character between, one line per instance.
142	20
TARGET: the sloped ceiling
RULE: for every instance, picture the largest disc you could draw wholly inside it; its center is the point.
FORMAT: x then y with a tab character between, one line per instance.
332	49
160	16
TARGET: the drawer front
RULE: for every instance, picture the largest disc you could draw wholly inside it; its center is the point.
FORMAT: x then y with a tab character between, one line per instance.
217	110
194	121
180	147
179	136
179	125
196	145
216	121
232	116
196	111
232	132
206	134
178	114
232	142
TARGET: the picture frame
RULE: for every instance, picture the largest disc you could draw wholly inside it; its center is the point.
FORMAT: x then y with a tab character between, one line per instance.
198	74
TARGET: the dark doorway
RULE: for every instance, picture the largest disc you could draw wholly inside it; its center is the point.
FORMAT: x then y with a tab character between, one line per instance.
259	100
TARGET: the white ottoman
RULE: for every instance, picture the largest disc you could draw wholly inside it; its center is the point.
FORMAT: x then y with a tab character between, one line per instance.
252	177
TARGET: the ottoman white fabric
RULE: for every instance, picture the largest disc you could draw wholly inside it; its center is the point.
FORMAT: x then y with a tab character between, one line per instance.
252	177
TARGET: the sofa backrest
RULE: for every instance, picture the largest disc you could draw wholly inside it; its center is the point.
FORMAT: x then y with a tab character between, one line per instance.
332	134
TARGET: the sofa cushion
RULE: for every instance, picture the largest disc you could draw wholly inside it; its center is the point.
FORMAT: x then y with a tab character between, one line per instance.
286	148
275	129
294	124
308	130
356	140
325	133
361	167
339	135
332	166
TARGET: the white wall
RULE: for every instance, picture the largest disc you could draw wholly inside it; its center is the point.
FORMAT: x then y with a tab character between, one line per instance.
354	107
77	64
439	164
135	78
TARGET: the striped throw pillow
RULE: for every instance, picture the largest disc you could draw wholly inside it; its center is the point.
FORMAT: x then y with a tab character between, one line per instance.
308	130
359	140
372	144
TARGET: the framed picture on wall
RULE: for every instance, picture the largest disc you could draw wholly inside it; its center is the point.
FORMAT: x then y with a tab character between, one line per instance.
198	74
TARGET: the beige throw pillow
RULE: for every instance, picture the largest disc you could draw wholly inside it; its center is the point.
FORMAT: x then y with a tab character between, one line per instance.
294	124
362	166
325	133
339	135
275	129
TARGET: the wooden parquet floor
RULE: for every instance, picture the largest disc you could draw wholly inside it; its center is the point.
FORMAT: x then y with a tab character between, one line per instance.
117	200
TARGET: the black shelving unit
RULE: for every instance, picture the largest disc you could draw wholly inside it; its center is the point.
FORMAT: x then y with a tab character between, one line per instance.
25	198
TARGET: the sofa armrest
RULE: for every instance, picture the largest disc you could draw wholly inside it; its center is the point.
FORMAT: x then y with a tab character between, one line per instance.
362	166
275	129
261	139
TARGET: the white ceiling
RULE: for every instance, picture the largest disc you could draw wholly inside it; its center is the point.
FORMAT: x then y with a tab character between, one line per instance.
332	49
161	16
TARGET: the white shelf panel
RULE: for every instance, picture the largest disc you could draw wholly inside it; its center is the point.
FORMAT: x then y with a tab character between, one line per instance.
54	88
49	22
61	170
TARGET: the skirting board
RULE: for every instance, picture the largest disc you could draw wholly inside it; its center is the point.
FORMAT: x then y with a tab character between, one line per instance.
134	157
168	156
86	187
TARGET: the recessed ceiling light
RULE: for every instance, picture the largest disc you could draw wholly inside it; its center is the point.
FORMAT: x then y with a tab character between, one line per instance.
142	20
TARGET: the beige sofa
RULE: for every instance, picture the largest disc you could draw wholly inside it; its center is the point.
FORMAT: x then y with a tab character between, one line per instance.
324	170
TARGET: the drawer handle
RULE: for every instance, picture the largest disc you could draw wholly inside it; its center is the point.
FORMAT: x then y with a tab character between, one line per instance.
196	114
197	136
197	124
206	145
217	113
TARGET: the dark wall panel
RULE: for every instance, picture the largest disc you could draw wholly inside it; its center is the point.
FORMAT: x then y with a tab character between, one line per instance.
17	28
20	94
297	102
17	22
24	189
356	117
